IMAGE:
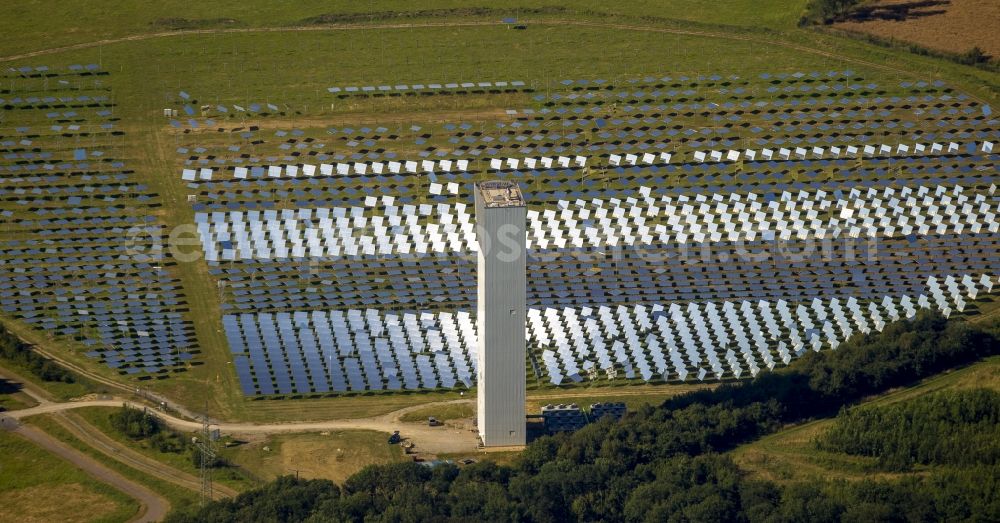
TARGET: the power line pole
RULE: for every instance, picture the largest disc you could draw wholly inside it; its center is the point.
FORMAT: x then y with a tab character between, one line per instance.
206	451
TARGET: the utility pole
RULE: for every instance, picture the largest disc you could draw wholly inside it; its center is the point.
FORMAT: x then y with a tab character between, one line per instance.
207	452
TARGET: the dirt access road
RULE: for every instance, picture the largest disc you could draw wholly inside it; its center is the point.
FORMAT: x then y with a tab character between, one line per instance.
434	440
154	507
106	445
103	443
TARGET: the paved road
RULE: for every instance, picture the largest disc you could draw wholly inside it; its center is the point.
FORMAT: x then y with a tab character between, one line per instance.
154	507
427	439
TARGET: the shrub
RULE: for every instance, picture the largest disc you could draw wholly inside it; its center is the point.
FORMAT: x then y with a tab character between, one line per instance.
827	11
135	423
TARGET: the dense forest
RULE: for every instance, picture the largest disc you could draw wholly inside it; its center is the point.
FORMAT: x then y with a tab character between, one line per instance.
960	428
15	350
662	463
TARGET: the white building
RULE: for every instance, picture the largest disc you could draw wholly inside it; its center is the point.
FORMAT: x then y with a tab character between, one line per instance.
501	218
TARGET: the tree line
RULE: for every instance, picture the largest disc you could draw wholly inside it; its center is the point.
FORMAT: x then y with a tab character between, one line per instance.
663	463
15	350
827	11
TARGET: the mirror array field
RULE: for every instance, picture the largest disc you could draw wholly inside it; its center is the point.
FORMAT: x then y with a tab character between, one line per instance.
681	227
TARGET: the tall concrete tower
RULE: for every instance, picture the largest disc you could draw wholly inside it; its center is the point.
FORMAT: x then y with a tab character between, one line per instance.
500	227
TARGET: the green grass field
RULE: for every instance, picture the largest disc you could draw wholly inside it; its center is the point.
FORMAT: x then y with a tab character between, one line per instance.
293	68
12	399
177	496
37	486
35	21
440	412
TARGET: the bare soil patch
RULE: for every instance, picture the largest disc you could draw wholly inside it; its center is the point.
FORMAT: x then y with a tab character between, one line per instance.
333	455
947	25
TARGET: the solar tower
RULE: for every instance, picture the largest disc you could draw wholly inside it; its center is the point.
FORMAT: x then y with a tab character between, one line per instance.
501	216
